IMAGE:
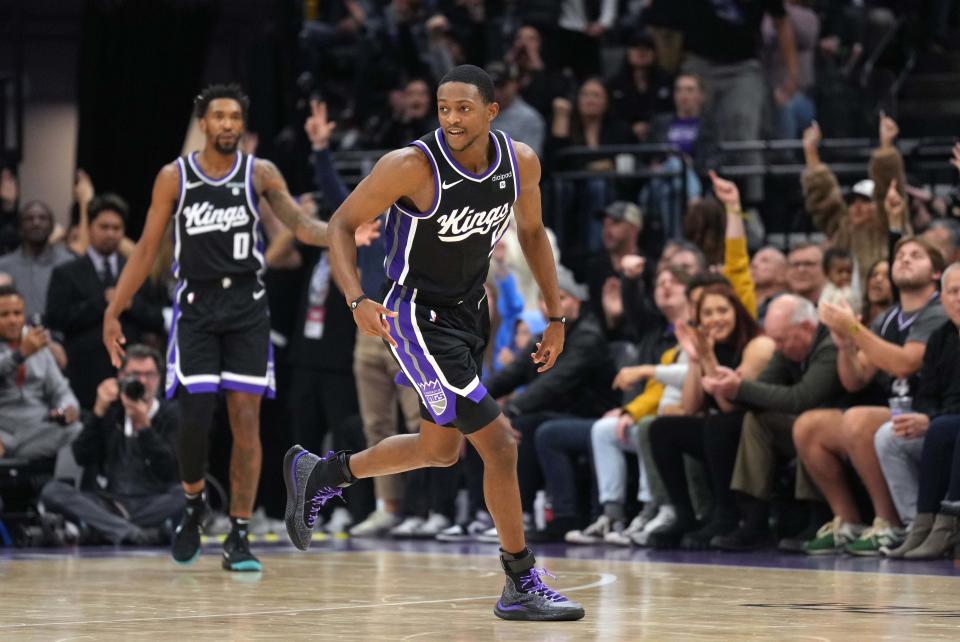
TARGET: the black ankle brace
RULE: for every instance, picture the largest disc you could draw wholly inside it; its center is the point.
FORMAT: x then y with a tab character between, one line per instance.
515	564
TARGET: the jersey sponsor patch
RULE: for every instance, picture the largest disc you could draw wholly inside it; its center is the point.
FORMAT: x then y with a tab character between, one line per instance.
203	217
459	224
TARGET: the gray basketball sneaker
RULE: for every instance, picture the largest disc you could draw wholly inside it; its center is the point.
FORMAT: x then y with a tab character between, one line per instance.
534	601
311	482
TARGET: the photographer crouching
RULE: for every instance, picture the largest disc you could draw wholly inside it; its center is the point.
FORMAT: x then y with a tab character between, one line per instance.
130	442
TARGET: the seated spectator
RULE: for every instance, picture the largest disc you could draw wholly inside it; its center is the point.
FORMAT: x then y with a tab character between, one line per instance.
414	116
525	328
539	84
916	447
79	293
38	412
802	374
889	355
805	275
508	308
31	264
640	90
517	118
128	442
709	430
578	385
561	441
622	223
859	226
944	234
878	295
838	268
587	123
768	267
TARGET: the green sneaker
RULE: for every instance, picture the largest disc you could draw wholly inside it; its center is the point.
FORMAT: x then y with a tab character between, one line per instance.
832	537
880	535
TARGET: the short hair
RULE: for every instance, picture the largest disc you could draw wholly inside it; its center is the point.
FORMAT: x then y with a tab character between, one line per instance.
803	310
35	203
141	351
952	226
835	254
108	202
803	245
695	77
472	75
9	290
220	90
939	264
684	245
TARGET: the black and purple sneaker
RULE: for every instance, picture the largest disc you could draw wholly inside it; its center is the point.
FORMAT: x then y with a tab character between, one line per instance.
535	601
311	482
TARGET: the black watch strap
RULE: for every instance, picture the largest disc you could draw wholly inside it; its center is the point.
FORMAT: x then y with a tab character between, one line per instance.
560	320
356	302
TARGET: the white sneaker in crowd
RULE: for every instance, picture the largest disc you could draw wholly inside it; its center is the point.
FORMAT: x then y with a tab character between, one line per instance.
625	537
339	521
466	533
407	528
435	524
666	517
377	523
595	532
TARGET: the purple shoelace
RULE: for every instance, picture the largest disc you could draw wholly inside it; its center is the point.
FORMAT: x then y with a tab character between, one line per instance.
322	496
531	583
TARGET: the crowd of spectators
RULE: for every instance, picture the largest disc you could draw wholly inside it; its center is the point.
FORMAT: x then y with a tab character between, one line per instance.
708	396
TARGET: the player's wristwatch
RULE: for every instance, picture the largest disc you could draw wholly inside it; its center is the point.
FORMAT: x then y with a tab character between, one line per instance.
561	320
356	302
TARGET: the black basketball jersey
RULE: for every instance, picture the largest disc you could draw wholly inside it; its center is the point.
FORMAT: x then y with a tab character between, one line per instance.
216	223
445	251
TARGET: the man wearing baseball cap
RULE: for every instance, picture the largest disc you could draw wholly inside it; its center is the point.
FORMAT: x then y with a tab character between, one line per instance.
622	224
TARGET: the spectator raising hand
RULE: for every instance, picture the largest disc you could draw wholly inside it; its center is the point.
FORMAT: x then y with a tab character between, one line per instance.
889	130
318	128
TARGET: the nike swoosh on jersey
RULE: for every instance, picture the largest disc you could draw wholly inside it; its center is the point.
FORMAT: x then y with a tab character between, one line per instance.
447	185
258	295
192	185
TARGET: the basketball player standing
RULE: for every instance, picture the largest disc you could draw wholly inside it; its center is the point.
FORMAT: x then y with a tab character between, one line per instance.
450	196
220	337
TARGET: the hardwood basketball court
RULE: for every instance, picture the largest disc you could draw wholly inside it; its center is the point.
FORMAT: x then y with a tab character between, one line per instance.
355	590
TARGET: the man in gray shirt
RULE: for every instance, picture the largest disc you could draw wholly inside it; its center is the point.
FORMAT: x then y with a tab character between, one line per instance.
31	264
517	118
38	412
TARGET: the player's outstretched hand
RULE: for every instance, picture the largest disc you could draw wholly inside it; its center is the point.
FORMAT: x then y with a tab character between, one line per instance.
549	347
370	318
113	340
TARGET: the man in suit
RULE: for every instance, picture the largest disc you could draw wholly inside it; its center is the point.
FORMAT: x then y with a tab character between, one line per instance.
79	293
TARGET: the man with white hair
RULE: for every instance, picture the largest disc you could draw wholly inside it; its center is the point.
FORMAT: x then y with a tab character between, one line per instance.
801	375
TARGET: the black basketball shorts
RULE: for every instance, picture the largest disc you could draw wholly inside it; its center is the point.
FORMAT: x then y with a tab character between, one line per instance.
220	337
440	350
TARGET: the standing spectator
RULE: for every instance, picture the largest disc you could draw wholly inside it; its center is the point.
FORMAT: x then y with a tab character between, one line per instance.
33	262
516	117
576	44
640	90
723	42
805	275
793	113
129	442
589	123
414	116
622	222
9	195
79	293
38	412
769	270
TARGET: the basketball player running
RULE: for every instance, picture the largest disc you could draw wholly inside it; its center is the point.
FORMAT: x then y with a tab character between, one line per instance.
220	337
450	195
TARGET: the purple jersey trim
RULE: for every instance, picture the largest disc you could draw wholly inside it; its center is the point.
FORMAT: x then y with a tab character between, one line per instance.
442	142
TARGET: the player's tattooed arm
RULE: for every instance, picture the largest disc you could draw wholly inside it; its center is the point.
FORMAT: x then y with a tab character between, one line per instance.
269	183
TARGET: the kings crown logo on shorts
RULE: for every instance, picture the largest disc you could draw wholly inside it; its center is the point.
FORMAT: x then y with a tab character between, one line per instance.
435	396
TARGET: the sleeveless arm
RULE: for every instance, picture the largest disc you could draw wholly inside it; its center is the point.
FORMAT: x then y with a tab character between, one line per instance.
166	191
269	183
401	173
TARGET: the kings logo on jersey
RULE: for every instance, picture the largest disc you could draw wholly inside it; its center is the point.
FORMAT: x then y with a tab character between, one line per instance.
435	396
459	224
203	217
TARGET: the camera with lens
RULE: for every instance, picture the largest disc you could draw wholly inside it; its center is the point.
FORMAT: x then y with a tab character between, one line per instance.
133	388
